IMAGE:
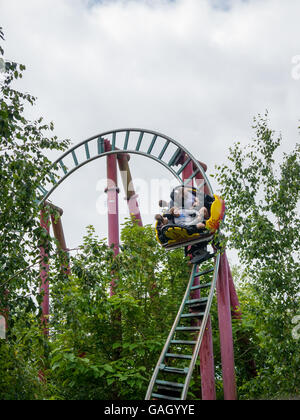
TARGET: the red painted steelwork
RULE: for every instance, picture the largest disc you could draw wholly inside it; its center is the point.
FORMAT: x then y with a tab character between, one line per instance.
207	366
5	311
112	205
44	270
225	328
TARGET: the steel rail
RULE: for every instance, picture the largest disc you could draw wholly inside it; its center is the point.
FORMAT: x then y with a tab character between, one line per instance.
126	132
202	329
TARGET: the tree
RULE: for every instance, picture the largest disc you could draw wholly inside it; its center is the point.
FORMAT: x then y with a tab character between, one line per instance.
84	332
262	222
24	163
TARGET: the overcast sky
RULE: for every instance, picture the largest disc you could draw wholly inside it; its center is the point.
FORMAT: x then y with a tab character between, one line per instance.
196	70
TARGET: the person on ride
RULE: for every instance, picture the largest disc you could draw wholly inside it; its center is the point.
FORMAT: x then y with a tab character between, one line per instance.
186	210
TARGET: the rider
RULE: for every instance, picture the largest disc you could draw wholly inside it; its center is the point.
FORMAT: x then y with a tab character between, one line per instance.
186	209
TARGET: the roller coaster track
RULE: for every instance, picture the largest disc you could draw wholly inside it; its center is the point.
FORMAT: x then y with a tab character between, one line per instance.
166	152
174	360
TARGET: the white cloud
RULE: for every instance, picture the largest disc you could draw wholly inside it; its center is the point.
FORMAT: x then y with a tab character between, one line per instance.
192	71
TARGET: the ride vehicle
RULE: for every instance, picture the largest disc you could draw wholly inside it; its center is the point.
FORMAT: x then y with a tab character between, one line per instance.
189	220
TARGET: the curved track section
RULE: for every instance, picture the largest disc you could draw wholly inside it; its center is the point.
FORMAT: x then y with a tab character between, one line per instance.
147	143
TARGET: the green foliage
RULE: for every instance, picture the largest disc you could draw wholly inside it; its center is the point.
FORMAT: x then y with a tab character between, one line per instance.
21	361
103	345
24	146
262	217
262	222
23	163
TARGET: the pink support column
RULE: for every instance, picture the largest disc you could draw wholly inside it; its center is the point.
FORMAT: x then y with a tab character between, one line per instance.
112	205
225	328
236	313
44	270
5	311
207	365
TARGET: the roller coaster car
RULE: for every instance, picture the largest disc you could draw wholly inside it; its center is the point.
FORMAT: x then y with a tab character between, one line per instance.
172	235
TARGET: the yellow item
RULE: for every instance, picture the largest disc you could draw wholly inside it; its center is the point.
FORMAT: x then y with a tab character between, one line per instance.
177	234
217	212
